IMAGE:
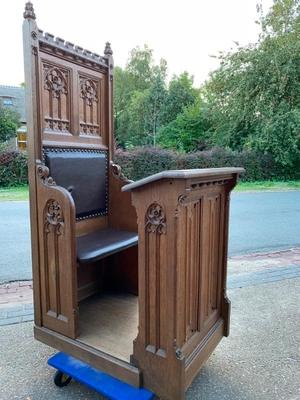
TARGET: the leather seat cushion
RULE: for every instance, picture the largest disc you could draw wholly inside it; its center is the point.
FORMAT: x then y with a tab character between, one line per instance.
100	244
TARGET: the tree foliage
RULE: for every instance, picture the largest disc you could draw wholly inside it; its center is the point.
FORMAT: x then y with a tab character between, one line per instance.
254	97
250	103
189	131
143	100
9	122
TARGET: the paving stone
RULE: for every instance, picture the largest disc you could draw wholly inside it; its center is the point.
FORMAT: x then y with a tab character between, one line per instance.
10	321
3	314
27	318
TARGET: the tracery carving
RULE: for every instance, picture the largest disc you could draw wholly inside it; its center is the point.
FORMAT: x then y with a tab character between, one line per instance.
156	219
88	91
55	81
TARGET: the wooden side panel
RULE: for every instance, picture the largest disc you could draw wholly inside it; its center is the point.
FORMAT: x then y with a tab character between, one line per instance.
210	271
188	243
57	255
183	310
198	267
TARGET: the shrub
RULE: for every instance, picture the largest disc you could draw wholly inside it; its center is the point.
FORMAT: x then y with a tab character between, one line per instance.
13	169
142	162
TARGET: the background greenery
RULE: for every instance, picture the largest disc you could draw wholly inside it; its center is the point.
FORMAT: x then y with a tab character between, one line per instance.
251	103
246	114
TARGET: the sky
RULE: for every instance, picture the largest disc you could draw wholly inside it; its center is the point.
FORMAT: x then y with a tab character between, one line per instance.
185	33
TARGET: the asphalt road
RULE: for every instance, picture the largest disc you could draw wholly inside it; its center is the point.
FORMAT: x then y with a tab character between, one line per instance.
259	221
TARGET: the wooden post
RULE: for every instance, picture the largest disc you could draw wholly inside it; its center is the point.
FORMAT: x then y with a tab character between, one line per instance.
31	48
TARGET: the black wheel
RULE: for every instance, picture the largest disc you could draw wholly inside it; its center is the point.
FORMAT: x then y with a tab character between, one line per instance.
61	379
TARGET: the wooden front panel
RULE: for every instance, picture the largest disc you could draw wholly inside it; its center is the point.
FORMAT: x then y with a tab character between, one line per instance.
72	104
199	267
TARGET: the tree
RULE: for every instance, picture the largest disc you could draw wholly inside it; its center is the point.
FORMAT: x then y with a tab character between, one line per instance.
254	97
189	131
9	122
154	101
180	94
139	92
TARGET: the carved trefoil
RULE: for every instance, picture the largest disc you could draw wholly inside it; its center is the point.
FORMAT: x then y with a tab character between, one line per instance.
89	106
56	98
155	276
53	229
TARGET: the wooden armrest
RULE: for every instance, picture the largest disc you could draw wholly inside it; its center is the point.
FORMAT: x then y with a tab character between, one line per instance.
46	184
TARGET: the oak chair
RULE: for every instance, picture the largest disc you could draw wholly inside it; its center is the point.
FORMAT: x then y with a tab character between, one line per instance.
129	277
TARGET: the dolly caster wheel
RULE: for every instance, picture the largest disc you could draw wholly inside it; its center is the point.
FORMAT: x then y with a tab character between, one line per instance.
61	379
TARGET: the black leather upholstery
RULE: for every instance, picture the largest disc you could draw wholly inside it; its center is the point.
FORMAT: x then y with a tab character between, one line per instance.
84	174
100	244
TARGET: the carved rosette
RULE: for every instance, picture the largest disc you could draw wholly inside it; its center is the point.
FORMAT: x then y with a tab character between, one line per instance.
55	82
88	91
54	215
156	219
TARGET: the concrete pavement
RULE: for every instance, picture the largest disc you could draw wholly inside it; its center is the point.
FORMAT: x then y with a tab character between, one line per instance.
259	360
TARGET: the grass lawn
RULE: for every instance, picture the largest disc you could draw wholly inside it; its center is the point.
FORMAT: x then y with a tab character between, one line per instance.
21	192
14	193
267	186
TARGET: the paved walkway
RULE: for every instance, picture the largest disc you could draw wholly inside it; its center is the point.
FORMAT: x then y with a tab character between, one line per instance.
243	271
258	361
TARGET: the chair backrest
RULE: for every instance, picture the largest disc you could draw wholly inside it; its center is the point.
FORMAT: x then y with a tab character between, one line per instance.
69	117
84	173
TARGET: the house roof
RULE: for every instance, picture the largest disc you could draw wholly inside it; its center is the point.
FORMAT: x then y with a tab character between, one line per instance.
17	96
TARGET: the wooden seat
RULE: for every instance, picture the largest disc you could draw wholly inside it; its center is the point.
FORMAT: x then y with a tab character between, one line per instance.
84	173
97	245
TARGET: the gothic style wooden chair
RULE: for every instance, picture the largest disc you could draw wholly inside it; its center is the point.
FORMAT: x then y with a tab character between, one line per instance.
138	291
79	216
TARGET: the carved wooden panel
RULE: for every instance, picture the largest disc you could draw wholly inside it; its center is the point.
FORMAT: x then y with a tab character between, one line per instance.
74	90
53	229
210	271
56	92
57	267
89	106
198	265
155	279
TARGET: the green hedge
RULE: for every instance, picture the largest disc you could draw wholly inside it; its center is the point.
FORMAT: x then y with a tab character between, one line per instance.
141	162
13	169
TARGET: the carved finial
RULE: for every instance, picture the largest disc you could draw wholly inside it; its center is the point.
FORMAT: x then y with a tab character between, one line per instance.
29	11
108	51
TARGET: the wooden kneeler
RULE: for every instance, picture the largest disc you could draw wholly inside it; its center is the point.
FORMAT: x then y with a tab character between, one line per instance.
129	277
